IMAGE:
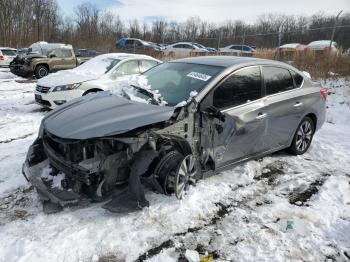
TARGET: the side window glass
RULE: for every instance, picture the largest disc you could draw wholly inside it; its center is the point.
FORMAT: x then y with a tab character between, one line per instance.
177	46
147	64
298	79
242	87
127	68
66	53
277	80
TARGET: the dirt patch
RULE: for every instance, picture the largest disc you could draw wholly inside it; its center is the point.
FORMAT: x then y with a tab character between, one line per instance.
14	206
155	251
271	171
301	198
17	138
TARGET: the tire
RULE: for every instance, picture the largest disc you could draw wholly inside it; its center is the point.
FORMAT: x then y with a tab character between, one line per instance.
166	170
41	71
303	137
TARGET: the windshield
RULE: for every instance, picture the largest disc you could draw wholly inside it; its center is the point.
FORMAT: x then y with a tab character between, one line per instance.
176	82
99	65
199	45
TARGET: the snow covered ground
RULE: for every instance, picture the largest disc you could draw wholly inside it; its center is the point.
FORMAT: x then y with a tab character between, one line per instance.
277	208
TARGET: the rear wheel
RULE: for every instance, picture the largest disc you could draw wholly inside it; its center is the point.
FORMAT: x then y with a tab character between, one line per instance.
41	71
303	137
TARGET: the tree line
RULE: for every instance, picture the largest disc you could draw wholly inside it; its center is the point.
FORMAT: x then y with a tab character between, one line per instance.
26	21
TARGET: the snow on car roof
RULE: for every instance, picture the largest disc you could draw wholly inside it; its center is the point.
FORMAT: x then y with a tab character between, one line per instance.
8	48
291	45
122	56
320	44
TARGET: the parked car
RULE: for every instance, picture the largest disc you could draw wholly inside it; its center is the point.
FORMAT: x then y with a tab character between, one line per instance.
43	58
323	46
182	49
7	54
86	53
238	49
95	75
210	49
220	111
135	43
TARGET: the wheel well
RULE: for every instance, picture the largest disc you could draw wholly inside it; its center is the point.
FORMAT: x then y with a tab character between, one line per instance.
313	117
92	90
182	146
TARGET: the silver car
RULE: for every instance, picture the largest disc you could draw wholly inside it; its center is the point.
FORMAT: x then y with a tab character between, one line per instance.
219	111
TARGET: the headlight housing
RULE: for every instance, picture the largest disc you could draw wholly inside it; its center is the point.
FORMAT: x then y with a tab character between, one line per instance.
66	87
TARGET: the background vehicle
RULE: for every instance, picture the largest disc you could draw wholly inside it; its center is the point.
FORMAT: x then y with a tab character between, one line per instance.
323	46
210	49
7	54
86	53
43	58
95	75
238	49
135	43
182	49
235	109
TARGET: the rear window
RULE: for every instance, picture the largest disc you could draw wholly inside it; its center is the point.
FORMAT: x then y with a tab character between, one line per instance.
8	52
277	80
298	79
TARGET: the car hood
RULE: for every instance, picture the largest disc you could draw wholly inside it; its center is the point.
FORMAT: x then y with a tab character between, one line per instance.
102	114
67	77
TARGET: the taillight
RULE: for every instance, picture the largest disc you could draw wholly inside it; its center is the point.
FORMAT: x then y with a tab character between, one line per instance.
324	93
2	57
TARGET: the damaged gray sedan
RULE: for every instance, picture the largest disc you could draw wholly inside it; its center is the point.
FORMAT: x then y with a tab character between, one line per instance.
190	118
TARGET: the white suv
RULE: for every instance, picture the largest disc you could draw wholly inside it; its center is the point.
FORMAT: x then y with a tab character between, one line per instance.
95	75
7	54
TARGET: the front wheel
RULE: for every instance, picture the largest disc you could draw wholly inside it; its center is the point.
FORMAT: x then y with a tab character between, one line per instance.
41	71
303	137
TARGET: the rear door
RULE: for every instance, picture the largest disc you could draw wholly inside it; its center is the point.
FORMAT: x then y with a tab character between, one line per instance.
239	97
68	59
285	104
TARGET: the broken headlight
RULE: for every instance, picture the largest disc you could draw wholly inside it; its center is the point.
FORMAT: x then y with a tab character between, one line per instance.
66	87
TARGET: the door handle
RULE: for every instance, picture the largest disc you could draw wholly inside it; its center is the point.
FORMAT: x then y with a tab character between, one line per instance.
298	104
261	116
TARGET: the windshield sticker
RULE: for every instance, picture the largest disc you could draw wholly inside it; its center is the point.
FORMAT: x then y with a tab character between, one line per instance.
199	76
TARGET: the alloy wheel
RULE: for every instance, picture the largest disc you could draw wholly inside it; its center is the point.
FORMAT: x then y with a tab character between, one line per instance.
185	176
304	136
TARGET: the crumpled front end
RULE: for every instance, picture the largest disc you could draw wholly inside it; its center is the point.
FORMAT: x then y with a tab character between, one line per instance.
69	172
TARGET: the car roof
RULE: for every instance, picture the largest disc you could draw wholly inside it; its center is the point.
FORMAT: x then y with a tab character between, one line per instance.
123	56
228	61
7	48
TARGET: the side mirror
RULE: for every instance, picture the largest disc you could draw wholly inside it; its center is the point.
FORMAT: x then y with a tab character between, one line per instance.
52	56
214	112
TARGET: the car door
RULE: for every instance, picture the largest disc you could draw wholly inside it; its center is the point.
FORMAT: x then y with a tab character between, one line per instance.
68	59
55	56
285	105
239	98
187	49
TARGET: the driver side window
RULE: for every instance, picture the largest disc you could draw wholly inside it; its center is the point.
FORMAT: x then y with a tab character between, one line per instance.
241	87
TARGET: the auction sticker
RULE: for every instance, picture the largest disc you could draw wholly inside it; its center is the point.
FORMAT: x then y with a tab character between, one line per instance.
199	76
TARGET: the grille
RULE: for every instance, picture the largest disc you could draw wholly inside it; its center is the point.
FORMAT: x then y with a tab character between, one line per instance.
42	89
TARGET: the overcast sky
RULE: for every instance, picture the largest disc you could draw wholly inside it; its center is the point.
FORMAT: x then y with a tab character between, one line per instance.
209	10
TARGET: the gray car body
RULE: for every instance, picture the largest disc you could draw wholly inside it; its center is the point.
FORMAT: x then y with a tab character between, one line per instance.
250	130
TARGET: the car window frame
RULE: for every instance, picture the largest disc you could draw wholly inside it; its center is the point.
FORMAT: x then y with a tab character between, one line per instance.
283	92
124	62
223	79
